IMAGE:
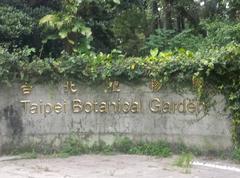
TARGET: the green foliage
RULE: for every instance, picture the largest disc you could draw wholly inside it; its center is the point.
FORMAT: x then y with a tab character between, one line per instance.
10	64
38	12
19	26
29	155
14	23
130	29
73	146
154	149
187	39
68	27
101	147
184	160
220	33
160	39
209	65
123	145
170	40
236	154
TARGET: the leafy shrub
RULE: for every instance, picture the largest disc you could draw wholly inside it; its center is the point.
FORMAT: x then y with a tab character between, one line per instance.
68	27
218	34
14	23
73	146
165	40
123	145
154	149
236	154
187	39
130	29
10	63
101	147
222	33
184	160
160	40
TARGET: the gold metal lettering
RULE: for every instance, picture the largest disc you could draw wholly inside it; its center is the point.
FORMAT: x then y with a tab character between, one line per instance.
182	107
155	105
174	107
191	107
77	106
34	108
95	104
41	107
88	107
119	105
114	104
103	107
25	104
126	107
166	107
26	89
135	107
69	86
47	108
65	106
200	107
58	108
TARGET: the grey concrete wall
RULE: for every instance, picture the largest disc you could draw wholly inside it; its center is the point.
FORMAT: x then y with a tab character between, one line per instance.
20	125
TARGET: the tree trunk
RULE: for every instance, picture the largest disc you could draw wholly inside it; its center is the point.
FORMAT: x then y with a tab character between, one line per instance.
190	15
180	21
157	18
193	18
168	5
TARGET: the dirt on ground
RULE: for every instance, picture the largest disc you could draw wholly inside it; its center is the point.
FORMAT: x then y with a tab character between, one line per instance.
113	166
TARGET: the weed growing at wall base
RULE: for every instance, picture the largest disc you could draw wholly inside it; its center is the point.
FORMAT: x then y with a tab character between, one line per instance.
73	145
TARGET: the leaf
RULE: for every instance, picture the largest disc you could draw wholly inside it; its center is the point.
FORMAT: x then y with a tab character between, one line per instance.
117	1
63	34
154	52
71	41
77	27
86	31
50	37
47	19
133	66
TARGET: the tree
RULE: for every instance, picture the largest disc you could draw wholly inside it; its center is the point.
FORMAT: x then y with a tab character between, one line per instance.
168	8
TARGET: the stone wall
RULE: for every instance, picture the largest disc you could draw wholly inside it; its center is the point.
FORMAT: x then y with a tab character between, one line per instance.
49	113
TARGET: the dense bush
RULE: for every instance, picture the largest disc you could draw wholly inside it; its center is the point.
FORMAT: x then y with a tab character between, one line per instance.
14	23
180	65
165	40
160	40
130	29
218	34
236	154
